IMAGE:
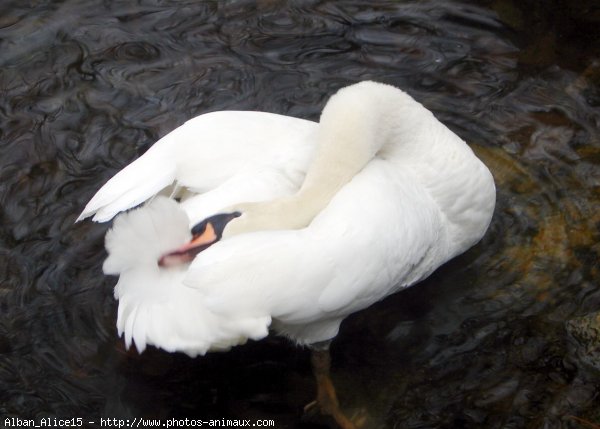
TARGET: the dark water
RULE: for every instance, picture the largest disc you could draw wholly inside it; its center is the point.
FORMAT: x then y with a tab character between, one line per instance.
486	342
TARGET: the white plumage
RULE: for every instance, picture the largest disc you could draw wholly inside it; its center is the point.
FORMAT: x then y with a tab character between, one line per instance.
390	195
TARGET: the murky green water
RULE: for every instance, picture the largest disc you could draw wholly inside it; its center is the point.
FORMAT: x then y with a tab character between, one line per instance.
494	339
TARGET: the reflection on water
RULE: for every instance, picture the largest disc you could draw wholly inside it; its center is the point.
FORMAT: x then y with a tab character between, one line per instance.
502	337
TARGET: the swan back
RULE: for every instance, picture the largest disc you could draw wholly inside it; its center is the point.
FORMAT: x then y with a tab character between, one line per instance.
368	121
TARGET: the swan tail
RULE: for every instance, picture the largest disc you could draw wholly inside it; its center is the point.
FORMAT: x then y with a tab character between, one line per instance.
133	185
155	306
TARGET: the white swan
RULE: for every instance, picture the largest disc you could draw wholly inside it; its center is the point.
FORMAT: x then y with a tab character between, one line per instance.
334	217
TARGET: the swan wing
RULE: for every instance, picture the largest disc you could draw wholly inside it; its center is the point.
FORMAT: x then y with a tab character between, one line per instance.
204	153
134	184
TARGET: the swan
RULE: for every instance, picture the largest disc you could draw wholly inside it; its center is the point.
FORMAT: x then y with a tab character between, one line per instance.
255	221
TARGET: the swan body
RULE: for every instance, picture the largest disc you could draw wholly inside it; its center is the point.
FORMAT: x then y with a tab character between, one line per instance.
334	217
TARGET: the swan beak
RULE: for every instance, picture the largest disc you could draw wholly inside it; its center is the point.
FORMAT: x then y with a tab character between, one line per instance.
204	235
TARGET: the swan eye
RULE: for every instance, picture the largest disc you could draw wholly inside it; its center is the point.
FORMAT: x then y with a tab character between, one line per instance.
217	222
199	229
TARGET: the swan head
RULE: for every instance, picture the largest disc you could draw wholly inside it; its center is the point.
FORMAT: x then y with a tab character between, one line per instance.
204	235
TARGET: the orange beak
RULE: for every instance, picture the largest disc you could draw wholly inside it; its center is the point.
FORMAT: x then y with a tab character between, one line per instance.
207	237
188	251
204	234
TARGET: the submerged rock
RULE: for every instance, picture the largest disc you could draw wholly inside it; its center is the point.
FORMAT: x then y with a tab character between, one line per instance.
586	331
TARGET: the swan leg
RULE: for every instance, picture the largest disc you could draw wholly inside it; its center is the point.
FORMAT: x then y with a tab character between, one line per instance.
326	402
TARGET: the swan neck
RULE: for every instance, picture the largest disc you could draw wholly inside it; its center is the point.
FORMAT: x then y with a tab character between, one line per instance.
357	122
353	128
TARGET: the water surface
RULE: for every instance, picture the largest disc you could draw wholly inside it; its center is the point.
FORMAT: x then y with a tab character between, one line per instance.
487	341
